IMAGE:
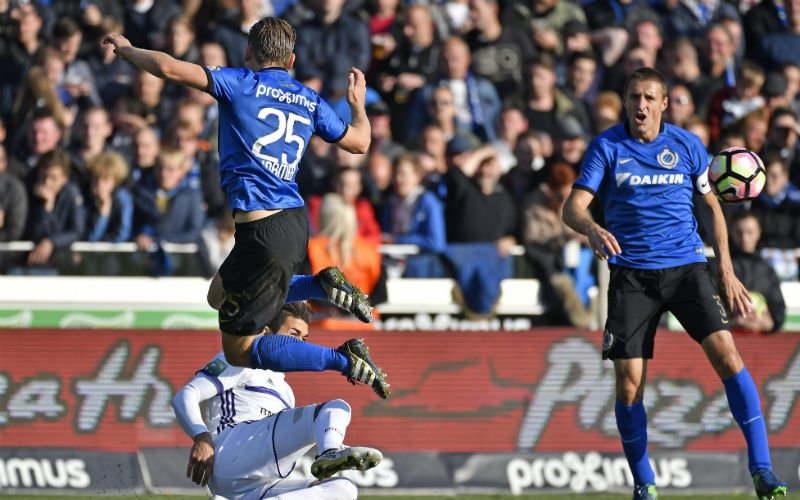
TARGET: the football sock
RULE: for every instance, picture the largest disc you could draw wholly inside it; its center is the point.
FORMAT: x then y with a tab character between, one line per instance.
284	353
304	287
746	409
632	425
331	424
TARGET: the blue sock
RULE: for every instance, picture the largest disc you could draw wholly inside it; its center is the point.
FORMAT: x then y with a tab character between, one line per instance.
283	353
746	409
632	425
304	287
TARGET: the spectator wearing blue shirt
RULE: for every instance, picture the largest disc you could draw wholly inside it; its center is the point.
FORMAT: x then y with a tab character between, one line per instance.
110	207
166	207
413	215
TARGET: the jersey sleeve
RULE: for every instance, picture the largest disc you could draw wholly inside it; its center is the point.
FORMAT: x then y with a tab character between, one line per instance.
593	168
222	375
328	124
700	166
223	83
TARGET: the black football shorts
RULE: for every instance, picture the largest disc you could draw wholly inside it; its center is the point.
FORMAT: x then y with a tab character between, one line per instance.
257	273
638	297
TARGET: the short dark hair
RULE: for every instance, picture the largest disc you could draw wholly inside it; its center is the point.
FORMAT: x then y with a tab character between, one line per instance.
299	310
744	214
271	41
645	74
55	158
65	28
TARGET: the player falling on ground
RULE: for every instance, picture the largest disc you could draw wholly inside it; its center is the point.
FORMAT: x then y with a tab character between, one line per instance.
644	172
266	121
253	435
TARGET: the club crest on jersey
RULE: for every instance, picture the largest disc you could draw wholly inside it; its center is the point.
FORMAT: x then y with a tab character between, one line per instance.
667	158
608	340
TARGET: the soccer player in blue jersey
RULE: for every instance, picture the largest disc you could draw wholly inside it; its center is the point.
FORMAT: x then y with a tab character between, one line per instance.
644	173
266	121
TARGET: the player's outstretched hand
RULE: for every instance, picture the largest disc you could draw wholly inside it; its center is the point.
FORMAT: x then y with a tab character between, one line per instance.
118	41
735	294
356	88
603	243
201	459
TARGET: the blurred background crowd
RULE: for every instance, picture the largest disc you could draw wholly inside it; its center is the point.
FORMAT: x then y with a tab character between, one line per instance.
481	111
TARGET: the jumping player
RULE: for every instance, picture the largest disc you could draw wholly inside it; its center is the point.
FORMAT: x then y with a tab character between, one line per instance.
644	172
266	121
252	435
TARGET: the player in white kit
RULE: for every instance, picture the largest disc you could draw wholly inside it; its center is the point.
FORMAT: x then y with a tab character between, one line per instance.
258	434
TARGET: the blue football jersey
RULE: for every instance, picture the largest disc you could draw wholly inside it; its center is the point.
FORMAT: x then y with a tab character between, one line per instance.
265	122
646	191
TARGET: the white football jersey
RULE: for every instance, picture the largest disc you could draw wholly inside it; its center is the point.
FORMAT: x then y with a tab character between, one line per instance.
243	394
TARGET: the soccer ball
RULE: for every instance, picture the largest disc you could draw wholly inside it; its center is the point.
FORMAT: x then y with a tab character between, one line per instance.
736	175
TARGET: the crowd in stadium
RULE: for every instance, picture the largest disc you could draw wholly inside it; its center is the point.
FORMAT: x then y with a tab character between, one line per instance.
481	111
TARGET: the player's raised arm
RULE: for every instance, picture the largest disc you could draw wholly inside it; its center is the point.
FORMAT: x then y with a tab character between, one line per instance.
357	138
734	292
576	215
159	64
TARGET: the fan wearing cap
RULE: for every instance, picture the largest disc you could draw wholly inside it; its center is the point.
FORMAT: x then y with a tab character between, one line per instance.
381	123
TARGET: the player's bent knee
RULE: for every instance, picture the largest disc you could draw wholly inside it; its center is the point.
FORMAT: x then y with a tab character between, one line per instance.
338	404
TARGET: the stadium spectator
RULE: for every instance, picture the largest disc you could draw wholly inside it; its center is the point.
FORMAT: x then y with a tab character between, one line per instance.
112	75
546	103
776	90
146	147
700	128
18	52
757	276
606	111
413	215
44	135
730	104
377	179
94	131
231	33
569	141
41	92
148	93
56	218
146	22
683	67
78	80
754	127
329	45
511	126
692	20
337	243
782	136
681	105
719	61
476	101
443	112
381	131
778	206
499	53
477	207
348	184
13	203
783	46
109	204
166	208
218	239
582	79
767	16
548	244
530	169
412	64
543	19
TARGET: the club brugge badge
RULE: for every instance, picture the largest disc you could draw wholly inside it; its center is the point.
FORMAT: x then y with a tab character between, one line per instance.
667	158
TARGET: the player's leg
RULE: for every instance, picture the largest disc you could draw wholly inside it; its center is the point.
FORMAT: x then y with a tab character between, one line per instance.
634	309
325	425
330	285
701	312
335	488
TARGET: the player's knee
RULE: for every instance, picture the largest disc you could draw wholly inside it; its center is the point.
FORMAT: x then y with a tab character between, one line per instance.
339	404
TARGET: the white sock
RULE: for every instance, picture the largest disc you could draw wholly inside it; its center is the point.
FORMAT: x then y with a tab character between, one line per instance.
331	424
335	488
